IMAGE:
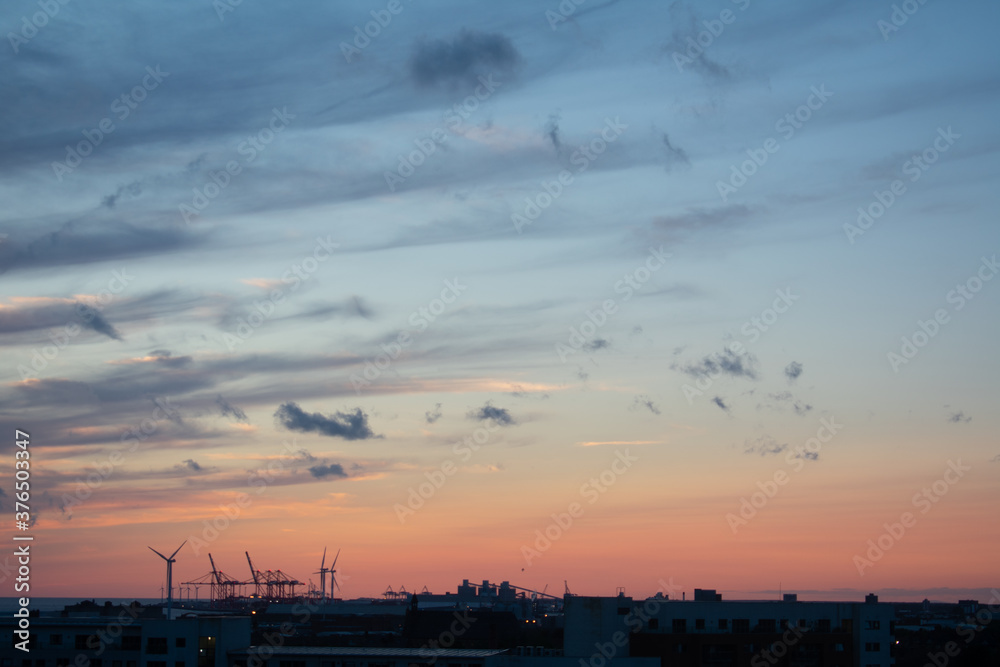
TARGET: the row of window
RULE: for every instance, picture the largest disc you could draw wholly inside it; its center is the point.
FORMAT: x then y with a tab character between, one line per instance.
154	645
679	625
96	662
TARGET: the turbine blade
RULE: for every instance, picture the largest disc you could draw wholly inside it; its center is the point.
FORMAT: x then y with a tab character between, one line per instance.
178	549
157	553
334	563
323	563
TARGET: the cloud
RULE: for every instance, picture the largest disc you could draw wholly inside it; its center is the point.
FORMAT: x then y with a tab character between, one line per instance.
34	315
644	401
346	425
959	418
798	406
76	243
324	471
793	371
763	446
499	415
462	60
432	417
228	409
193	465
552	131
722	404
728	362
597	344
675	154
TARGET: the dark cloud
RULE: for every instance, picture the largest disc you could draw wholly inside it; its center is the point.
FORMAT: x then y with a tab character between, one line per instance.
552	131
78	243
347	425
193	465
959	418
721	403
432	417
597	344
763	446
785	398
793	371
133	189
463	59
644	401
687	27
675	154
324	471
489	412
23	319
727	362
230	410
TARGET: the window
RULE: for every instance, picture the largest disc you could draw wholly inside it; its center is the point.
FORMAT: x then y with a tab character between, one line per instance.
96	662
699	624
723	624
622	611
783	624
62	662
680	625
823	625
156	646
872	625
156	663
178	663
873	647
741	625
654	624
766	625
131	643
55	640
180	642
292	663
116	663
80	642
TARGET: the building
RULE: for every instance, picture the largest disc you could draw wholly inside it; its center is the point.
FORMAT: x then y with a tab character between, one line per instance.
127	639
708	631
331	656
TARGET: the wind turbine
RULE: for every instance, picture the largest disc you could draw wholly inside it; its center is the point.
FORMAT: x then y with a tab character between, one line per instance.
322	577
170	570
333	576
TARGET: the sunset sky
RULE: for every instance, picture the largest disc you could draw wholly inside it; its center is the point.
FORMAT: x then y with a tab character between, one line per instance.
608	292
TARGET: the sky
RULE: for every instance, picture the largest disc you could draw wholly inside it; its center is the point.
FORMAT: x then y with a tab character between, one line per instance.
586	294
